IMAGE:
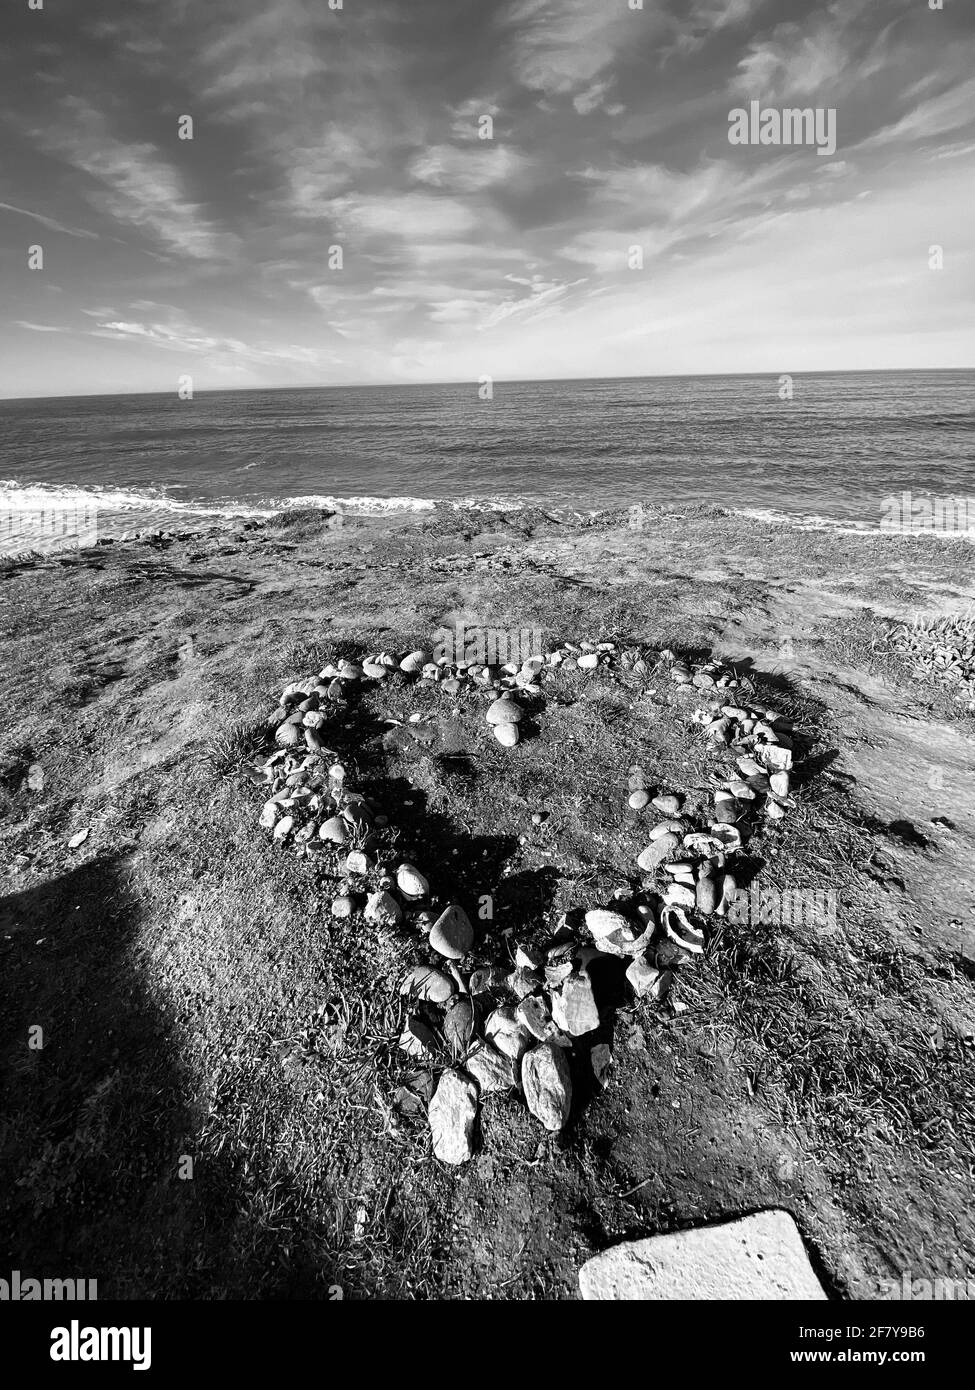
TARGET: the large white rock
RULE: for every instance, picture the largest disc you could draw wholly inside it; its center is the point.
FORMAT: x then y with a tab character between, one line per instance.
755	1257
452	1113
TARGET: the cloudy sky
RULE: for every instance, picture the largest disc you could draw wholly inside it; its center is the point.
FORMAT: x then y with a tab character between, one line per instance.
465	257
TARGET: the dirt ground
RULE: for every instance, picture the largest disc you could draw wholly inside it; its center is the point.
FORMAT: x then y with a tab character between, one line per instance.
198	1001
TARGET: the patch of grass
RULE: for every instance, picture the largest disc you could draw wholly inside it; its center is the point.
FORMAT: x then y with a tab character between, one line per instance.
230	751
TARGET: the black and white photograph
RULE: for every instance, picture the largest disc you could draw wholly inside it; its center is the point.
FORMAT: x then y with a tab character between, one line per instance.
487	612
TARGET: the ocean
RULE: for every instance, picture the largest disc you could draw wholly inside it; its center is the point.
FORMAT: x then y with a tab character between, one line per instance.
828	456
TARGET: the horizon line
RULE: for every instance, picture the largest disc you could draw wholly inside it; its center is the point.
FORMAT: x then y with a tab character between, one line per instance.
496	381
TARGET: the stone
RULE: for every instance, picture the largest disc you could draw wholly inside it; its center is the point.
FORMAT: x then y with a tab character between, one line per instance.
574	1007
668	803
647	979
638	800
411	882
754	1258
656	852
425	982
779	782
506	734
491	1069
488	977
78	839
588	662
269	814
334	829
383	910
601	1060
452	934
452	1113
284	827
535	1014
772	755
708	894
458	1024
504	711
414	663
35	778
358	817
508	1034
529	957
547	1084
342	906
357	862
603	921
668	827
524	981
680	895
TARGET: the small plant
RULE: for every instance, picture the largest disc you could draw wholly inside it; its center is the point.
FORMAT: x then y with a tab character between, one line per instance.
228	754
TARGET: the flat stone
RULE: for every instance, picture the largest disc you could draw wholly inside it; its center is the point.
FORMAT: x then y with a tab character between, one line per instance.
758	1257
458	1024
646	979
452	1113
657	851
452	934
507	1032
491	1069
427	983
547	1085
574	1006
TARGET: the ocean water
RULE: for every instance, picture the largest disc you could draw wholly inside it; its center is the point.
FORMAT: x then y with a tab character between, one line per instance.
828	456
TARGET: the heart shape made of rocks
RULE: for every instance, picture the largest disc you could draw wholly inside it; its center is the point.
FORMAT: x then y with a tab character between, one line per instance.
515	1029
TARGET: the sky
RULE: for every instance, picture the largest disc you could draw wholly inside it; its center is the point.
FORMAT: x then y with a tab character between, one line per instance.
358	135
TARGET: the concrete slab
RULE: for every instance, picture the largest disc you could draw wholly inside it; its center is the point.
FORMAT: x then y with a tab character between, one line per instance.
755	1257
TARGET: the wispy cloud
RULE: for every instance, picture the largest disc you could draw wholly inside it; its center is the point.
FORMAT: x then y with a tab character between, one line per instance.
50	223
133	184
